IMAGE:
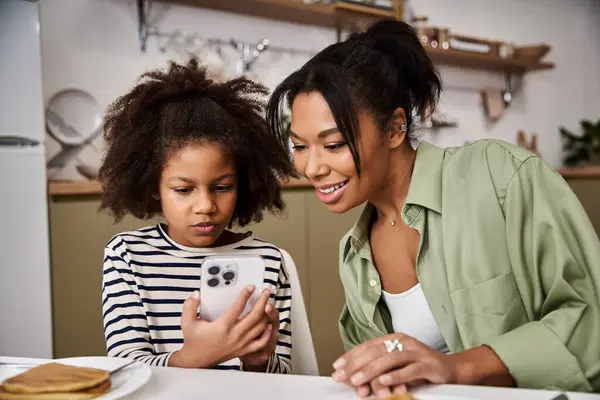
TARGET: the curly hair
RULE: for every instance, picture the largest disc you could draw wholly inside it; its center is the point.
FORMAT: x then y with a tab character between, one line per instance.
169	109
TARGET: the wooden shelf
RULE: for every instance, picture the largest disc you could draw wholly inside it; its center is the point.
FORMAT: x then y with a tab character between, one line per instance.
364	11
344	14
592	171
281	10
65	188
330	16
83	188
473	60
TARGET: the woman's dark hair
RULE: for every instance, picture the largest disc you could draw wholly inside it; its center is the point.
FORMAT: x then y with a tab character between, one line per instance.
169	109
377	71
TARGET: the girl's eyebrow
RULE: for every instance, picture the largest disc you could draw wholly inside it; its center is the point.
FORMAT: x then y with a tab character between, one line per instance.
191	181
181	178
225	176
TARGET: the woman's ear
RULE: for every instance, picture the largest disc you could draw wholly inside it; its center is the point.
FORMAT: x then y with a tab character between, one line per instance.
396	129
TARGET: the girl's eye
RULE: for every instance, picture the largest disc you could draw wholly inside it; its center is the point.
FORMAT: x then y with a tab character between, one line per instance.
298	147
335	146
183	190
223	188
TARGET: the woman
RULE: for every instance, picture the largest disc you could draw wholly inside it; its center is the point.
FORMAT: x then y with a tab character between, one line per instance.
471	265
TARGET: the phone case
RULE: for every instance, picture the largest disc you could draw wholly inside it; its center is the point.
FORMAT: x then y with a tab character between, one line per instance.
222	280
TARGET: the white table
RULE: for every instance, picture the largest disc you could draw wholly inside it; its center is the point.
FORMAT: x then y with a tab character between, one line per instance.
182	384
175	383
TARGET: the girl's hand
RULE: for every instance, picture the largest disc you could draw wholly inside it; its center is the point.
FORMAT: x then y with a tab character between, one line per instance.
206	344
371	369
258	360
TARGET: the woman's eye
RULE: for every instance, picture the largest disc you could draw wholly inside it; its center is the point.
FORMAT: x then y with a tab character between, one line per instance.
298	147
335	146
183	190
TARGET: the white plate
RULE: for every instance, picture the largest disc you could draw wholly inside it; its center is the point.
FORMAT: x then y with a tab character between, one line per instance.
73	116
124	382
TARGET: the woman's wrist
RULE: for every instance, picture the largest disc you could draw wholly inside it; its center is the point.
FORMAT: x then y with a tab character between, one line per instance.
481	366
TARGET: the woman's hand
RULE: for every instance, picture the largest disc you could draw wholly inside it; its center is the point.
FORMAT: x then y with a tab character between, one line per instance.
370	368
206	344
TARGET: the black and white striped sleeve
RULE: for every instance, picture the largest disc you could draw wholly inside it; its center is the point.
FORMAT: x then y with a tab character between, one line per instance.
125	325
281	360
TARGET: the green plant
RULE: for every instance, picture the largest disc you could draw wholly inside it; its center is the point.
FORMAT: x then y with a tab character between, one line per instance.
582	149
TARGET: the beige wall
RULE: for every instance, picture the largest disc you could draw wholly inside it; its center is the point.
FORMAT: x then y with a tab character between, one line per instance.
588	192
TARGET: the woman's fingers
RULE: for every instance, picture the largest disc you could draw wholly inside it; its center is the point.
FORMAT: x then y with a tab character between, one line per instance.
388	362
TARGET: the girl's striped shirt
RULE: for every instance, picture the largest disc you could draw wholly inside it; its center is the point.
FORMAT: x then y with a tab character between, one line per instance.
147	276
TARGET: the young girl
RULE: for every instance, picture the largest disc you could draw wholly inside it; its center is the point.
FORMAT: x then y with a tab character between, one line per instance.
197	153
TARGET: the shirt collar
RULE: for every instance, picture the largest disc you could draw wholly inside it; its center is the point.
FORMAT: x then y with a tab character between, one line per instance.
425	190
426	181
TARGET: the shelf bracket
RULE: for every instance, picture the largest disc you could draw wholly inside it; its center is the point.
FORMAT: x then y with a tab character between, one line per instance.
142	10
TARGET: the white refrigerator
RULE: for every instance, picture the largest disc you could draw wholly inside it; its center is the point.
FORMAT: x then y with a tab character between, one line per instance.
25	300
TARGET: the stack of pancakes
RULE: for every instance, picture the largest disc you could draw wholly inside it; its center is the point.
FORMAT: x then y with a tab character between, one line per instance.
56	381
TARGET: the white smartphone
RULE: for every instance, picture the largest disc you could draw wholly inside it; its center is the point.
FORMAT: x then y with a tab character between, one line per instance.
222	280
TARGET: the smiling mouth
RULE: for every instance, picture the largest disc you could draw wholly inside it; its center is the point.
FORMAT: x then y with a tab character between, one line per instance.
331	194
333	188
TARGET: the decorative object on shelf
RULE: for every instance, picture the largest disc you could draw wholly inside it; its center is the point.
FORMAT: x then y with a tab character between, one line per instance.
523	141
436	120
381	4
493	103
584	148
320	2
210	51
248	53
73	119
507	50
474	45
88	171
444	38
205	49
431	36
531	53
357	15
420	25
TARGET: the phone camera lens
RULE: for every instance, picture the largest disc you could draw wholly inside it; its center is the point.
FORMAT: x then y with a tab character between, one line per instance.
212	282
214	270
228	275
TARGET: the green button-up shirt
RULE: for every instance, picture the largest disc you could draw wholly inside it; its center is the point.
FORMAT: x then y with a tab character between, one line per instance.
507	258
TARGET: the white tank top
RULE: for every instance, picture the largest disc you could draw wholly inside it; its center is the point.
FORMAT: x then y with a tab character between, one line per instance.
412	316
